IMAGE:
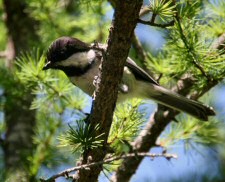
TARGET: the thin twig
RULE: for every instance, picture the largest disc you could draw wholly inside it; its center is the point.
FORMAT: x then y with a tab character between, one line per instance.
169	24
138	48
107	161
190	50
153	18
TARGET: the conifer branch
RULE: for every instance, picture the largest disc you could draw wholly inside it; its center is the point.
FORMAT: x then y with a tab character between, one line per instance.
63	96
157	123
191	51
108	161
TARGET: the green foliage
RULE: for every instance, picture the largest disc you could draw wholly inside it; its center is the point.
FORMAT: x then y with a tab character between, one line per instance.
30	68
3	37
45	84
189	9
217	8
80	24
191	130
126	125
82	137
57	101
215	15
189	49
54	97
46	151
162	8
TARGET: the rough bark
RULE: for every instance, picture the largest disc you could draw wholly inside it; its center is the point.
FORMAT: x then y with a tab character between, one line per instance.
20	120
21	28
119	41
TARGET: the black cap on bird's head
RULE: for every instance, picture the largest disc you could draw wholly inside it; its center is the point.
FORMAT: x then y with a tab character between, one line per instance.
62	48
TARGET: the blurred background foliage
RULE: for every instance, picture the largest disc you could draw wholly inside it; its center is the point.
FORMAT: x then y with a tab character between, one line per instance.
60	130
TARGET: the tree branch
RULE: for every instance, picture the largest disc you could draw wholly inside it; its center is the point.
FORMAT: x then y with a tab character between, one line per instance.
107	161
152	23
119	41
138	48
190	50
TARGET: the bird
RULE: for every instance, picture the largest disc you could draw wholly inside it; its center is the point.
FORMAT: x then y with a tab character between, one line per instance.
80	62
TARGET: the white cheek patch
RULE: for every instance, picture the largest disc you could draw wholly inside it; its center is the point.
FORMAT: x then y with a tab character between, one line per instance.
78	59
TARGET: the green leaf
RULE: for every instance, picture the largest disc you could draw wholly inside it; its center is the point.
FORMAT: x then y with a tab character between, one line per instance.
162	8
81	137
127	122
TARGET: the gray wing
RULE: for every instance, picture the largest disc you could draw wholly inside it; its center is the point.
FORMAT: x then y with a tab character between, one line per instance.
138	72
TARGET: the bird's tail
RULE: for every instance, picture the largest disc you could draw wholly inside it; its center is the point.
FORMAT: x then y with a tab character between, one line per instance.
181	103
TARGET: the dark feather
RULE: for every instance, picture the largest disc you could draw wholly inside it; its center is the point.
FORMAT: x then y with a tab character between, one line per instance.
138	72
64	47
181	103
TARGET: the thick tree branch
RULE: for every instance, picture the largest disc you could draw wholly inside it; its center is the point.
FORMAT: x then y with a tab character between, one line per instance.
119	41
157	123
107	161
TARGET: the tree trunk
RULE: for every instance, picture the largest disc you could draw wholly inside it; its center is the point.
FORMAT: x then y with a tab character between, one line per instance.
20	120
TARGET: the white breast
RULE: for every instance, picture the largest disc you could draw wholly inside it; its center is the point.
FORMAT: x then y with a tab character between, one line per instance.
85	82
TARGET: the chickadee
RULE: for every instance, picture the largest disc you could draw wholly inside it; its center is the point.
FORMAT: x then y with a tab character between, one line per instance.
81	64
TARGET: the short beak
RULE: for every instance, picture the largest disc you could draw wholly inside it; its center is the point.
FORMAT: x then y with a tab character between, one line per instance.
47	66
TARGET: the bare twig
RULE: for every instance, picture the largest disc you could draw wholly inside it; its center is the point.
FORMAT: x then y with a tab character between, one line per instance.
152	23
107	161
140	52
138	48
